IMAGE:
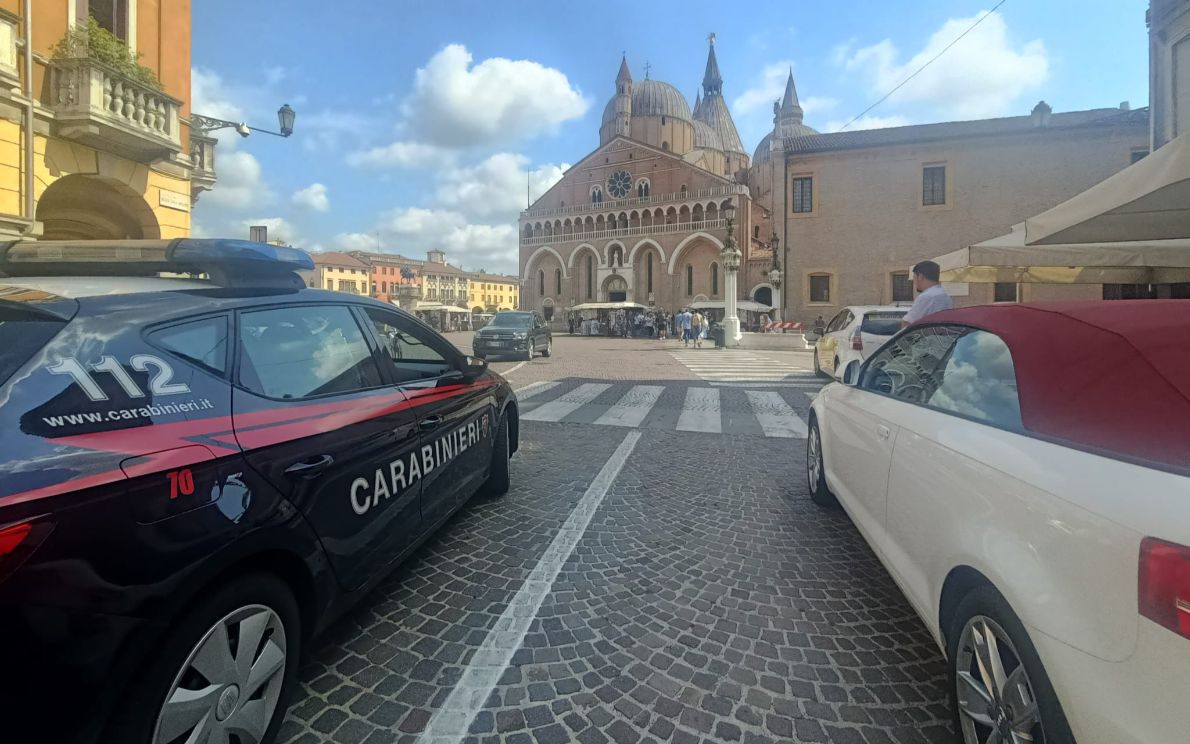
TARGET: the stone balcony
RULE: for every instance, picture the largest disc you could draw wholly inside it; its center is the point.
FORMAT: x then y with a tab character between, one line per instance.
202	158
615	204
624	232
96	106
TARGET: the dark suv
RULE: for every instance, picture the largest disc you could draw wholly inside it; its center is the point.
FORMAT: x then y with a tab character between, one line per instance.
198	475
514	333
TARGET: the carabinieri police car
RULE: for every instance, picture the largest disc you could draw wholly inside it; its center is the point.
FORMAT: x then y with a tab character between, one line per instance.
197	475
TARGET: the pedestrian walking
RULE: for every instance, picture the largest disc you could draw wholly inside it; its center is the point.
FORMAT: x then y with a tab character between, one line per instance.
684	321
931	298
819	326
697	325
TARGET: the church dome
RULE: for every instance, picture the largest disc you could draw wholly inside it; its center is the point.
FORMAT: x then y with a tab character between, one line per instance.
762	153
653	98
706	138
714	114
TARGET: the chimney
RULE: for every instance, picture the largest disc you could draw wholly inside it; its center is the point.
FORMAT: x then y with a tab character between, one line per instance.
1125	106
1041	114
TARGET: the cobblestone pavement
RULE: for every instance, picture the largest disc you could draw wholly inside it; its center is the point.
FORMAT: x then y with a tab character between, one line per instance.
707	600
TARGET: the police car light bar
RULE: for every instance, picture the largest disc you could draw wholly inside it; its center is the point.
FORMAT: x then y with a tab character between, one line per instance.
226	262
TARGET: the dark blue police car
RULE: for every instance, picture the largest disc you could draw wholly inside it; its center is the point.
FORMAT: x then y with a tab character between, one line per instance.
197	475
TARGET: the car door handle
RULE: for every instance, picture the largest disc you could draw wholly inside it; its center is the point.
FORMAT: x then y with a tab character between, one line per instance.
883	431
310	467
429	423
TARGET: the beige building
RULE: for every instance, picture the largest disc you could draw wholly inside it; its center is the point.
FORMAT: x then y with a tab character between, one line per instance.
1169	68
341	272
856	209
494	292
641	219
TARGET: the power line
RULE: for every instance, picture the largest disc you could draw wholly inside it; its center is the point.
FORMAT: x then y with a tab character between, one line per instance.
927	64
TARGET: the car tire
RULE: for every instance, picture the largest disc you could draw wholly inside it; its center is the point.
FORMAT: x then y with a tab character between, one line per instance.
820	493
981	615
835	369
530	350
818	367
549	348
242	603
500	474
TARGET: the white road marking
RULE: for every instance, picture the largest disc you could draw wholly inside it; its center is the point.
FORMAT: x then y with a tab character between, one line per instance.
774	415
811	396
700	411
766	384
513	368
534	388
631	409
570	402
449	723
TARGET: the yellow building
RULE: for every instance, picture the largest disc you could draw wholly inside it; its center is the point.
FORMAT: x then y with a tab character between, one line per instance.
341	272
492	292
105	99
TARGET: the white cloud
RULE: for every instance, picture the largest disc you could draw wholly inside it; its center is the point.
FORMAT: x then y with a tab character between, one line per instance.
769	88
400	155
327	130
209	96
868	122
819	104
279	229
459	105
493	247
312	197
985	74
355	241
496	185
240	186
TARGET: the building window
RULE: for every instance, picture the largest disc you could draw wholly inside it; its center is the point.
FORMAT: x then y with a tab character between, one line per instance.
820	289
330	284
682	190
933	185
756	232
596	195
902	287
649	273
111	15
590	276
1139	154
540	282
714	279
642	188
557	283
665	146
689	280
1006	292
803	195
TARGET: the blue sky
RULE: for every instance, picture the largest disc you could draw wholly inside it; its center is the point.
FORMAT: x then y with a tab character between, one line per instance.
419	123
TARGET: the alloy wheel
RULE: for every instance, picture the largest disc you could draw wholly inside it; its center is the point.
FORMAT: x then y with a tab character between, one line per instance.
813	458
229	686
995	695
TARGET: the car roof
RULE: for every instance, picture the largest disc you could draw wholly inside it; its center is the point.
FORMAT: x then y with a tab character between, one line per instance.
1111	374
75	287
877	308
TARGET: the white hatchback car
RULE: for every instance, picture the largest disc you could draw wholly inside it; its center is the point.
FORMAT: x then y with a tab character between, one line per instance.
852	335
1023	472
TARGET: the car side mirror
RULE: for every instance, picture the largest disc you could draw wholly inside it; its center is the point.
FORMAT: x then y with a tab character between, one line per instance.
811	337
851	375
473	367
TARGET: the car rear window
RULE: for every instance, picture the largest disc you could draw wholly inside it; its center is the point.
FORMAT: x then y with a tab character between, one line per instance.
22	334
885	323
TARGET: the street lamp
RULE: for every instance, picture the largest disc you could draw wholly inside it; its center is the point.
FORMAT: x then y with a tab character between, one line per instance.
775	276
730	256
285	117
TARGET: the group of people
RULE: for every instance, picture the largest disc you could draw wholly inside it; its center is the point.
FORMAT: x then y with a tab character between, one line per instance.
691	327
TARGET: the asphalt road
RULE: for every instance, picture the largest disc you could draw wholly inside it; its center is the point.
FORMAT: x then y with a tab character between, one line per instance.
657	573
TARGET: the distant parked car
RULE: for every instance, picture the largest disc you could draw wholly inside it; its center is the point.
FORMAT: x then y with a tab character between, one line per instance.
852	335
1023	472
514	333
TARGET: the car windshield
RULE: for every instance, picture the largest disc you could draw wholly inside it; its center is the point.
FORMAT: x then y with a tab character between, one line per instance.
511	320
882	323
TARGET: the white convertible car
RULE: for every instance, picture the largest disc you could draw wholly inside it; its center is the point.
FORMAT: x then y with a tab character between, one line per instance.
1024	474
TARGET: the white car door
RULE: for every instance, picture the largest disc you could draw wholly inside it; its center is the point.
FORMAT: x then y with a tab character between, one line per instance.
864	424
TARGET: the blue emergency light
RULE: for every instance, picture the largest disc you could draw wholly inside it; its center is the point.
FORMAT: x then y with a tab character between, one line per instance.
224	262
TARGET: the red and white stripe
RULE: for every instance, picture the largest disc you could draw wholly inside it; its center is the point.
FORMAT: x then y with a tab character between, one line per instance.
773	325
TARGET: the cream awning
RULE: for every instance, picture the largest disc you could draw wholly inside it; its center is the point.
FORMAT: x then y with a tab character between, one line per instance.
750	305
1009	259
1149	200
608	306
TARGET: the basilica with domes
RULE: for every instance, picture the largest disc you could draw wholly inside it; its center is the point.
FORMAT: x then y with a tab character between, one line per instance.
641	220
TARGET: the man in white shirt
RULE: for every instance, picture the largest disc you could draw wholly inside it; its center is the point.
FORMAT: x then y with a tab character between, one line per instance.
931	298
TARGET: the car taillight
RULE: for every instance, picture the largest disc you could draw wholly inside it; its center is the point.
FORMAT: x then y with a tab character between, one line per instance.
857	342
1164	584
11	537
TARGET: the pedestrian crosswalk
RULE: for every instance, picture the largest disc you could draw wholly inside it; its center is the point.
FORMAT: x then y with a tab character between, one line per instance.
685	407
743	366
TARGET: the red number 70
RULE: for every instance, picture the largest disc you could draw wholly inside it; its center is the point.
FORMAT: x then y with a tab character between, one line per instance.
180	481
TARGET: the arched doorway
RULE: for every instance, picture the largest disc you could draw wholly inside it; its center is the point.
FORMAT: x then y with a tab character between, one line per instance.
763	295
616	289
79	207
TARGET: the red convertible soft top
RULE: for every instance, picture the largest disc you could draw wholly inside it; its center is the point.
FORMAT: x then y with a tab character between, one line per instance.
1110	375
